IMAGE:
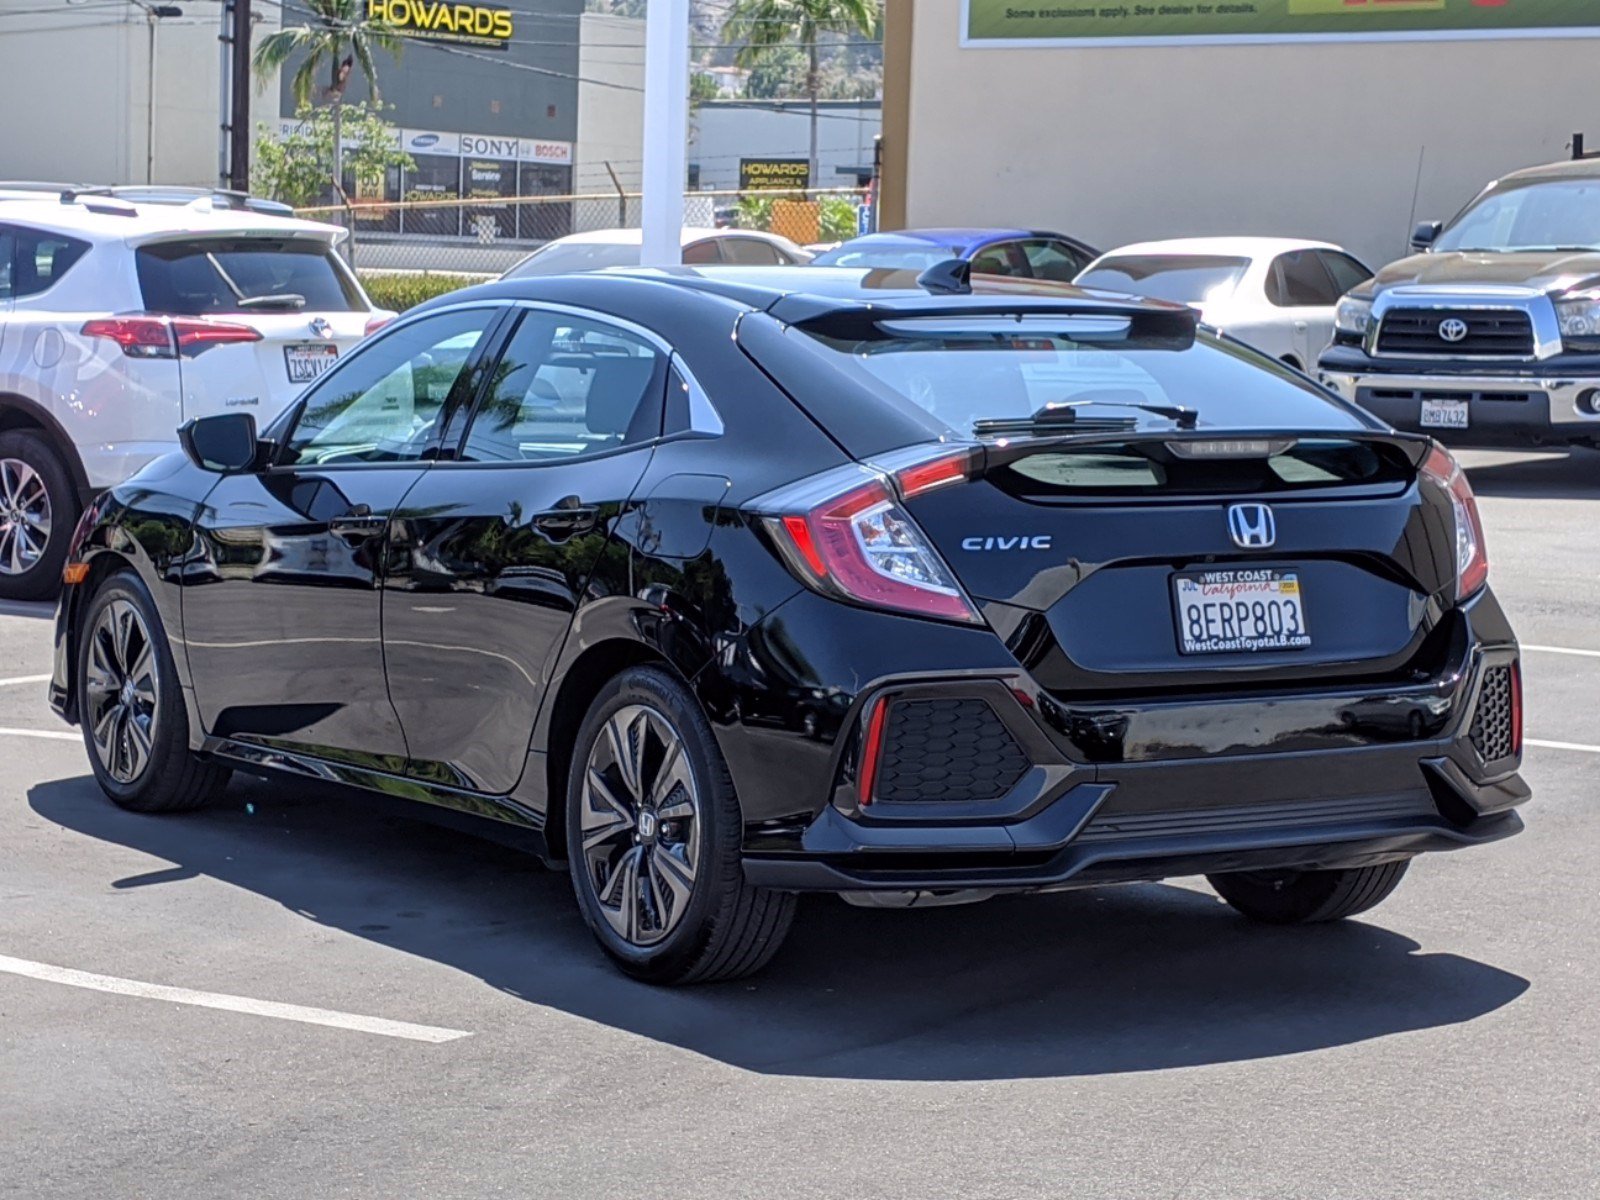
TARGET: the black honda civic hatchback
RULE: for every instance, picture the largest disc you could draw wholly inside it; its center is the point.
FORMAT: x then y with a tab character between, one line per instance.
719	586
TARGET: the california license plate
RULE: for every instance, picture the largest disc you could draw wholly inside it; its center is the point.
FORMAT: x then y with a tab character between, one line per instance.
1243	609
1444	414
308	360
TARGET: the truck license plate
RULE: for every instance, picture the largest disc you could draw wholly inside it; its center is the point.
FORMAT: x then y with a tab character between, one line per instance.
1444	414
1239	610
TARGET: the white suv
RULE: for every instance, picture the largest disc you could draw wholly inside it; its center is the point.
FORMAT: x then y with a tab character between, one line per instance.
125	313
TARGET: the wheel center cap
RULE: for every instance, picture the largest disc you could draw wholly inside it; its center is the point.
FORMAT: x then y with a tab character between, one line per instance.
126	694
647	825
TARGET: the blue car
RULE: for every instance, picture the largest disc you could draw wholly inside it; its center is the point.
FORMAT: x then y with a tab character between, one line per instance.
1021	253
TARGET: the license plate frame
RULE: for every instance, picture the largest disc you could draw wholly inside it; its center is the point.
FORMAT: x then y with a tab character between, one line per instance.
1444	414
1223	628
307	362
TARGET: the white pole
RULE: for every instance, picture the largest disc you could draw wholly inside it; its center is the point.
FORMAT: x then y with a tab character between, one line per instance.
666	130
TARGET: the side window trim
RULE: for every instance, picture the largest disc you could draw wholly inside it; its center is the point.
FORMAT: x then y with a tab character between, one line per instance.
704	418
290	420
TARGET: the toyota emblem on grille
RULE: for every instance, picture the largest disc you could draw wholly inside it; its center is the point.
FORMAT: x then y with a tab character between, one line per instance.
1252	525
1452	329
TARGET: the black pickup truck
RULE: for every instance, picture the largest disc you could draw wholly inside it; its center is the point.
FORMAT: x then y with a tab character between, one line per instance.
1490	334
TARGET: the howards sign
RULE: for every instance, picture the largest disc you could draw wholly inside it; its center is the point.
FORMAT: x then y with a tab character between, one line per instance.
474	24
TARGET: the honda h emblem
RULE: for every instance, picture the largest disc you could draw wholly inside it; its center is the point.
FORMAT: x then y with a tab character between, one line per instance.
1252	526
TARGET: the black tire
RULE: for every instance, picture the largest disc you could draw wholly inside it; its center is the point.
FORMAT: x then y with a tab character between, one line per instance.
724	929
170	777
39	579
1302	897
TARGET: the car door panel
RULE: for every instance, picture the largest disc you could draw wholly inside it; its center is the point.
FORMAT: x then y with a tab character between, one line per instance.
282	607
493	554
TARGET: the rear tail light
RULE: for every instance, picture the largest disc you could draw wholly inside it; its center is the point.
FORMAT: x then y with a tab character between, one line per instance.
1472	559
845	534
1516	708
167	337
376	323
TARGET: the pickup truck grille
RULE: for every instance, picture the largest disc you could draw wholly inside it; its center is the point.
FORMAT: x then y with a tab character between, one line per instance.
1490	333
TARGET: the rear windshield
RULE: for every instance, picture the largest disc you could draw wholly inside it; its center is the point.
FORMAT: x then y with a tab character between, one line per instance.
963	378
560	258
239	275
900	258
1181	278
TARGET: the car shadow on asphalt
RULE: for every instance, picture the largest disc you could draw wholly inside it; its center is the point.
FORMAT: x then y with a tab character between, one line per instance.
1575	476
1079	983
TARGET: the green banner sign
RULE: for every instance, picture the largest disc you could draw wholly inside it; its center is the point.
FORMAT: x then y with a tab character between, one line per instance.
1061	22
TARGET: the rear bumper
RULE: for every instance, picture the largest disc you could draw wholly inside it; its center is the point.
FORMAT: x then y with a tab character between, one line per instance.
1342	776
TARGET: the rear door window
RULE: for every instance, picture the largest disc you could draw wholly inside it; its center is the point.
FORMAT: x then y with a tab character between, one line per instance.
32	260
1299	280
1050	259
752	252
1003	258
1347	272
199	276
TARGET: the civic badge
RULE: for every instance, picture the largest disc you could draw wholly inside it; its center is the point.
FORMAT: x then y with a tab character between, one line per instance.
321	327
1252	525
1452	329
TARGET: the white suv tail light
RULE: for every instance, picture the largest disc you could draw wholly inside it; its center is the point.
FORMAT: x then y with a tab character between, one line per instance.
167	337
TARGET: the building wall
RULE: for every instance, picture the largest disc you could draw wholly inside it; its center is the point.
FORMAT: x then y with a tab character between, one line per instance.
76	84
723	131
610	111
1341	141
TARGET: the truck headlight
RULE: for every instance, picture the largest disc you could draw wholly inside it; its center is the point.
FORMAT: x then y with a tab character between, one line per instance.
1579	318
1353	315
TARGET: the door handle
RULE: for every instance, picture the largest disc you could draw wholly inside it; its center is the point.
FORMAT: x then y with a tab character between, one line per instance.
567	520
358	522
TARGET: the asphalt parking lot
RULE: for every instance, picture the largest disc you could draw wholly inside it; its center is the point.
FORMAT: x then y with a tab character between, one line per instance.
287	997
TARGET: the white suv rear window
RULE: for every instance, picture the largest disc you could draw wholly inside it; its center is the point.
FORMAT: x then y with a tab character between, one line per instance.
237	275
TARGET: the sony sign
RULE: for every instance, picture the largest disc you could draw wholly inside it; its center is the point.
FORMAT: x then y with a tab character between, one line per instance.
475	24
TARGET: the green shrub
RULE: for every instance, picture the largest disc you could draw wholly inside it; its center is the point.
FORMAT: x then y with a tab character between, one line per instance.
403	290
838	218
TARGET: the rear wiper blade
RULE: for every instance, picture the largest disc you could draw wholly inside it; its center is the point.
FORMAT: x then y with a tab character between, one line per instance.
1066	416
277	300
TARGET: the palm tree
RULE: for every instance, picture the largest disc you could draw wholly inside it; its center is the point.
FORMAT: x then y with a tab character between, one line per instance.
338	34
760	26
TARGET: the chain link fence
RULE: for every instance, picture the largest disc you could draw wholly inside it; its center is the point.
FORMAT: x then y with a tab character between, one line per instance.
481	237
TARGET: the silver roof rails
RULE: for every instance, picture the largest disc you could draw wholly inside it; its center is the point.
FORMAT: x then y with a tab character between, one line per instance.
151	194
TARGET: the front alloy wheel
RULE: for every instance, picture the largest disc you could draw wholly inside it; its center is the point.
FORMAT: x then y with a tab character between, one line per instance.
641	826
121	691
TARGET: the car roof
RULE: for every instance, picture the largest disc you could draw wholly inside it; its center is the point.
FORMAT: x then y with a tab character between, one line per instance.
633	237
952	236
107	218
1576	168
1223	247
802	293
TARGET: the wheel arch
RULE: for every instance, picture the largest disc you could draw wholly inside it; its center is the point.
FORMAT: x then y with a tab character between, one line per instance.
74	601
20	413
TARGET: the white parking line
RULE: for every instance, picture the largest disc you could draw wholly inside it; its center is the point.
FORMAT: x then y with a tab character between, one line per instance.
21	679
1578	746
54	735
238	1004
1564	650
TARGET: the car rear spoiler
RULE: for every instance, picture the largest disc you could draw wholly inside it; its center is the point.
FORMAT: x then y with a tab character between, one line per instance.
1199	443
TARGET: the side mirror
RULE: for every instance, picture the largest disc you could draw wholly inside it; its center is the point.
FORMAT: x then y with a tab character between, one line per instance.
1425	234
225	443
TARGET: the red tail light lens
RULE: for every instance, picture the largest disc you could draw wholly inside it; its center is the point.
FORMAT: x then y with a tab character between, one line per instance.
376	323
854	541
1516	708
871	750
1472	559
139	337
194	336
167	337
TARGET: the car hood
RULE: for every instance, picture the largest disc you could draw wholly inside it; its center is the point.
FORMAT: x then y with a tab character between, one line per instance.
1548	271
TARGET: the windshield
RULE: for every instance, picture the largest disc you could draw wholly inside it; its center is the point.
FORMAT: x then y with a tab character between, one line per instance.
238	275
1562	214
901	258
1181	278
561	258
965	378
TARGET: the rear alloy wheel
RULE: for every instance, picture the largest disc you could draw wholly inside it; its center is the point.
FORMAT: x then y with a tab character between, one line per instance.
1303	897
653	833
134	724
38	509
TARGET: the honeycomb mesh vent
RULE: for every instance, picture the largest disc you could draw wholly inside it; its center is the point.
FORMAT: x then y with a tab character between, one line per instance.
1492	733
947	749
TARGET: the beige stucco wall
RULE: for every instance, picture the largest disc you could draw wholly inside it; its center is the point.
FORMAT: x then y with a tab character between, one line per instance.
1119	144
610	110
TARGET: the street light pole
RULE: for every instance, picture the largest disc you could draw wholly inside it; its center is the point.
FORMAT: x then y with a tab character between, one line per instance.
666	131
